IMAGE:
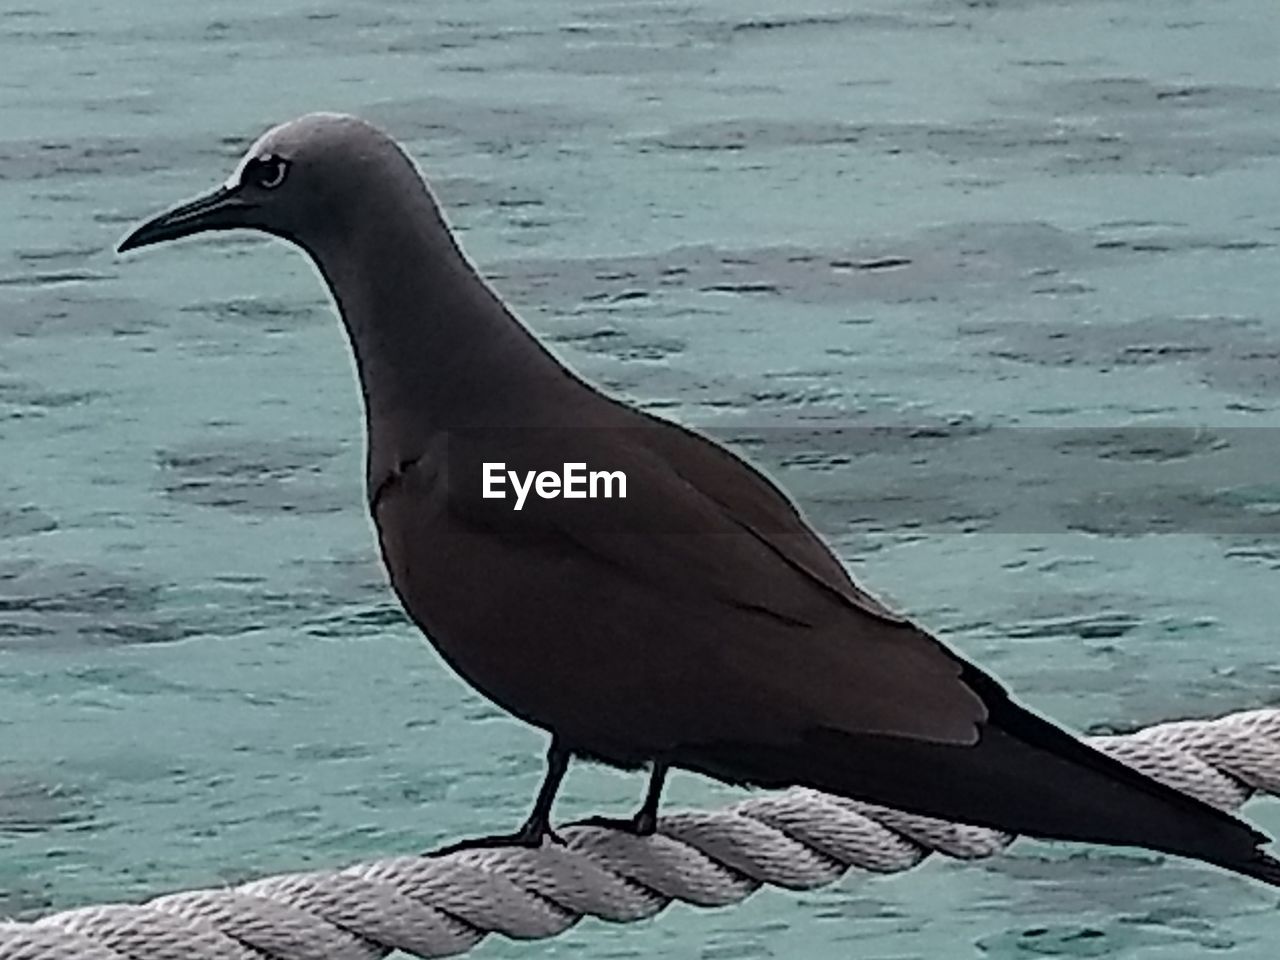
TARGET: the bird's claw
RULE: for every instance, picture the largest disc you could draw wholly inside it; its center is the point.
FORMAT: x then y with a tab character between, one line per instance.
526	838
641	825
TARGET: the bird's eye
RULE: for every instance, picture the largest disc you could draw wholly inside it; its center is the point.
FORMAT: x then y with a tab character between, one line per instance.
266	172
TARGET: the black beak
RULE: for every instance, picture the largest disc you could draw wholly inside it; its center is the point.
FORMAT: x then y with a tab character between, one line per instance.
223	209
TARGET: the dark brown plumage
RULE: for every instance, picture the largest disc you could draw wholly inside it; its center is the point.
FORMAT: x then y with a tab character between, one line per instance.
698	623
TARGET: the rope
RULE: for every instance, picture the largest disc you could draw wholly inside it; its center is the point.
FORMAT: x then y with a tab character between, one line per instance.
442	906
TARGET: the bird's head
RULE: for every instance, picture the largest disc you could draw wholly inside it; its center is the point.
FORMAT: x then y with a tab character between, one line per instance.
301	181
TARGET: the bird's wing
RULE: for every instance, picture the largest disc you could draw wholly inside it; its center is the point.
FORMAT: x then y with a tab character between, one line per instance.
716	562
760	507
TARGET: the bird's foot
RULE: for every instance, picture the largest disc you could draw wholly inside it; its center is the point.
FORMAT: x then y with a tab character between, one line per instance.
529	837
643	824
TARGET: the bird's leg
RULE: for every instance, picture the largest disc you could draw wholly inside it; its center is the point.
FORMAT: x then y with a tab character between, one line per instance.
645	821
538	825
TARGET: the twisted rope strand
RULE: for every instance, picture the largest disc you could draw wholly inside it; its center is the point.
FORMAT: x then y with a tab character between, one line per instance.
443	906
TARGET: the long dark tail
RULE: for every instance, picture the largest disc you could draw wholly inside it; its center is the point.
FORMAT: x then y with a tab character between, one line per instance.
1025	776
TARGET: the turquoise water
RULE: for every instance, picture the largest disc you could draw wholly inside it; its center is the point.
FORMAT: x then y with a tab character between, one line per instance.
1031	227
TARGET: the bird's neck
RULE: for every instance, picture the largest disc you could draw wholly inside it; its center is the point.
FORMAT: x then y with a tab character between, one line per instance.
435	348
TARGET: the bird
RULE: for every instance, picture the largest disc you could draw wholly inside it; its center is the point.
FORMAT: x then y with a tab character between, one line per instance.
698	622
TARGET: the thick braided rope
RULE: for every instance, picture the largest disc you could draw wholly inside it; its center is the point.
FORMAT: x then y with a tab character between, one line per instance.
441	906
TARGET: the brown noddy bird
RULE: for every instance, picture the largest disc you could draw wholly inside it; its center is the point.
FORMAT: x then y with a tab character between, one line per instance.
697	623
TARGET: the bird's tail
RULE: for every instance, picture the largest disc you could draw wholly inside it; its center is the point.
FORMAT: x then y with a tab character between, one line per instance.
1024	775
